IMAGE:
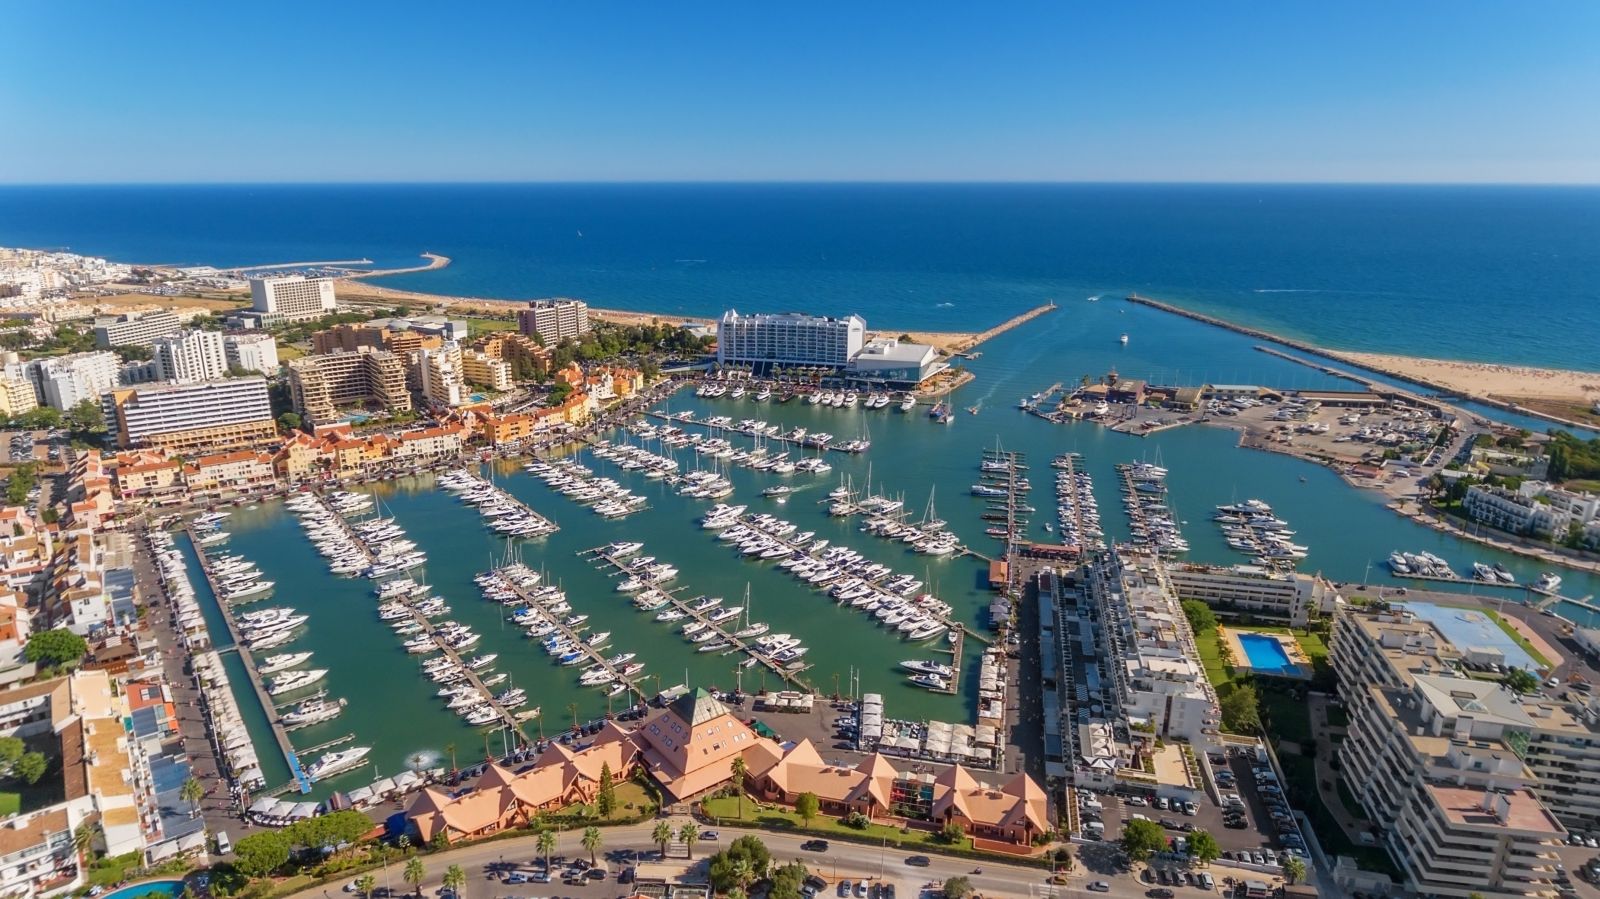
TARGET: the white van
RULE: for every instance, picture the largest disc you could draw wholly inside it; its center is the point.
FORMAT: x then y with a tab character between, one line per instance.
224	846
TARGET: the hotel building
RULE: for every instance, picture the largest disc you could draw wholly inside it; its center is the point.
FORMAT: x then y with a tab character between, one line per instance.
65	381
134	328
438	374
554	320
789	339
183	418
321	385
294	297
189	356
254	351
485	370
1477	780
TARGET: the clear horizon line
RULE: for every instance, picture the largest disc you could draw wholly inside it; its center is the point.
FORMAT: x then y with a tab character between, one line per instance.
864	182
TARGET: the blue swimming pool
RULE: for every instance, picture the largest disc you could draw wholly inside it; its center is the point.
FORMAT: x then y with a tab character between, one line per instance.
162	887
1266	655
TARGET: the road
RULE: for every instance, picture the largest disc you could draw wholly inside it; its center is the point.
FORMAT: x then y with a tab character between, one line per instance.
850	861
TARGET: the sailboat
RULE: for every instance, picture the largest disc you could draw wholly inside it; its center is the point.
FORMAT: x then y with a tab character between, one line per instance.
747	629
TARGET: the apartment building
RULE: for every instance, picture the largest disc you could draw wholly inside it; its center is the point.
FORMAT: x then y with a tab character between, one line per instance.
1155	665
525	357
252	351
554	320
16	396
378	334
321	385
1534	508
1235	591
62	382
295	297
480	368
438	375
789	339
186	357
230	472
184	418
134	328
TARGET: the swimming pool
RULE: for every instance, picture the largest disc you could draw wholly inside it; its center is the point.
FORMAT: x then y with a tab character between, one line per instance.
163	887
1266	655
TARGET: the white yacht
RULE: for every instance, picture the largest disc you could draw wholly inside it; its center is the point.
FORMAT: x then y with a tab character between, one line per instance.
337	763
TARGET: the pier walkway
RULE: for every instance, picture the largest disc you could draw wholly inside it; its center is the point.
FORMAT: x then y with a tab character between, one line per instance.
790	675
506	715
279	733
592	652
1013	322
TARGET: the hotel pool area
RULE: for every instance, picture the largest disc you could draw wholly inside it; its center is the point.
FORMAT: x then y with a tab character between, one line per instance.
1266	653
159	887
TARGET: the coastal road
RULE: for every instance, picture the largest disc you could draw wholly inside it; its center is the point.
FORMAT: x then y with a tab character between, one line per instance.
851	861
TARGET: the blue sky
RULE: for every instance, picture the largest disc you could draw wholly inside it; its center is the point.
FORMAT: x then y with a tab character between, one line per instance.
929	91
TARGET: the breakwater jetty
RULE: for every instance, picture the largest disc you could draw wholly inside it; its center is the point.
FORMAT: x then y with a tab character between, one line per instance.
435	261
967	346
1323	353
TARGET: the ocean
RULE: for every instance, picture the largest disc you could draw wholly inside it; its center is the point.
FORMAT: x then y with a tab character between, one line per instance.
1498	274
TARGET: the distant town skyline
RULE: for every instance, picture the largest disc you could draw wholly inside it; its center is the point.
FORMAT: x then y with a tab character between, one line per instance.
1477	92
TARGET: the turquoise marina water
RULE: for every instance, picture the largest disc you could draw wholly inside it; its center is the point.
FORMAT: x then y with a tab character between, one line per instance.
392	706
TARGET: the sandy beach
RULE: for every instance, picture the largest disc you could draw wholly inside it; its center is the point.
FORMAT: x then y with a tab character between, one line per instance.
1507	382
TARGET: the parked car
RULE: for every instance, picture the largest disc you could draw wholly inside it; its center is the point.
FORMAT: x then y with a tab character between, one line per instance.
1099	886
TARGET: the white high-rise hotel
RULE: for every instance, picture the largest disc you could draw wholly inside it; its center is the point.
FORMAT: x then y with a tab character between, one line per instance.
190	356
294	297
789	338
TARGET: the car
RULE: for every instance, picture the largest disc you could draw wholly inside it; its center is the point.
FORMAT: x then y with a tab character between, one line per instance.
1189	808
814	846
1099	886
918	861
595	874
1161	803
1169	824
1235	823
350	887
1135	800
709	835
540	877
888	891
1207	882
1148	875
1159	893
844	887
516	878
574	881
861	889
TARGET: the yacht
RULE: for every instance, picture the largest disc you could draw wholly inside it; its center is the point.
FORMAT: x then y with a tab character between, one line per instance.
925	666
282	662
930	682
312	711
1549	582
295	680
1124	339
337	763
909	403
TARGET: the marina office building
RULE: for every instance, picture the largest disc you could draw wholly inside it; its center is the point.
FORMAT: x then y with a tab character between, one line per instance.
185	418
321	385
1478	782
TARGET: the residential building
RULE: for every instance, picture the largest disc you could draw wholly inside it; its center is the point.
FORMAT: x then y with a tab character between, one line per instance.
523	354
426	445
395	335
438	375
321	385
251	351
135	328
789	339
16	396
554	320
235	472
62	382
1534	508
892	362
185	418
480	368
1291	597
500	430
146	475
295	297
186	357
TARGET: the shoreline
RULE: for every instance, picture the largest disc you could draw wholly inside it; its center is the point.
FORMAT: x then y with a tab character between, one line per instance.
1401	368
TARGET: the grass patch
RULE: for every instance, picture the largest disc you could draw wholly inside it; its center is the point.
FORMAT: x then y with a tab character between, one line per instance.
114	869
1301	774
632	800
1209	645
10	803
287	351
476	326
726	808
1284	713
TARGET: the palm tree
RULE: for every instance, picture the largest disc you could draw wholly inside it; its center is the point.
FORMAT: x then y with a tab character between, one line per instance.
547	845
739	771
83	838
365	884
451	748
192	792
455	878
689	834
591	841
414	873
661	836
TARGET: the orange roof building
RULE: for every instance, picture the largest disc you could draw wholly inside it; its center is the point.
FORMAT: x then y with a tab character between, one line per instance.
690	746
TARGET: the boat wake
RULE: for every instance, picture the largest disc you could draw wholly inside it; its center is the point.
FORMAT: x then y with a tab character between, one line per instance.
1288	290
423	759
944	305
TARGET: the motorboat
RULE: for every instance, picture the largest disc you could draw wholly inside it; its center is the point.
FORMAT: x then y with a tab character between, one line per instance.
337	763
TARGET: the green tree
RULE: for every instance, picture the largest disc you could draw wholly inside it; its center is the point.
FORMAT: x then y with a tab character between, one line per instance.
1241	709
133	353
414	874
787	881
606	798
259	854
365	884
1294	870
559	393
1201	619
662	836
84	838
1203	846
592	841
547	845
54	648
690	835
31	767
192	792
289	421
957	888
86	418
1142	837
740	770
806	806
952	832
1521	681
455	878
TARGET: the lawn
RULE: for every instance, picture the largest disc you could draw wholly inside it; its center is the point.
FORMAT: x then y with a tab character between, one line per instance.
1209	645
10	803
287	351
727	809
1284	716
476	326
631	800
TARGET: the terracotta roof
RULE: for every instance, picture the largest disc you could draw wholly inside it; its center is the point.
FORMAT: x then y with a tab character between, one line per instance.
20	833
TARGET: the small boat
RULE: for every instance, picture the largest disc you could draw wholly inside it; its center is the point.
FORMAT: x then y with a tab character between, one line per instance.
1124	339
